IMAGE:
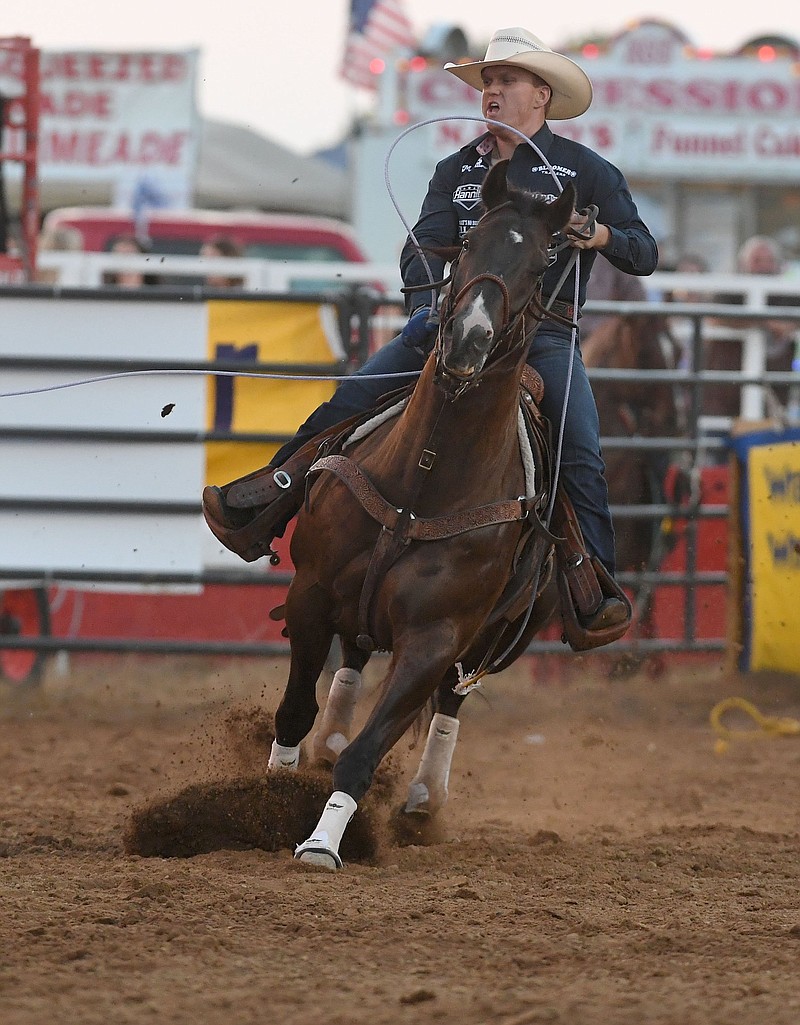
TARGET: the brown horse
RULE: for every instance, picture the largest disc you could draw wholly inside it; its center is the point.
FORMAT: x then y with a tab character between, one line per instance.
640	409
409	543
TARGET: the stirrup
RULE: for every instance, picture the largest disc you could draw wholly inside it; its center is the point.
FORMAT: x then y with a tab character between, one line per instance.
253	540
583	637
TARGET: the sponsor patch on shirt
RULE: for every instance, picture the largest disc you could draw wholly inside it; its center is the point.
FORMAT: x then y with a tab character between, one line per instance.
467	196
558	168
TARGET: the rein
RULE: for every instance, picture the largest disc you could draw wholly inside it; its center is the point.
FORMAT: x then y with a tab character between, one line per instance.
399	526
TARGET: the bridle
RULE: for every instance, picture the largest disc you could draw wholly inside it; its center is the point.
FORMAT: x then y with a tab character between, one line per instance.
510	323
534	306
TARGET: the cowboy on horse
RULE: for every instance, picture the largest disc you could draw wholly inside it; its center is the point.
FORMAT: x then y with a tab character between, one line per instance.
523	84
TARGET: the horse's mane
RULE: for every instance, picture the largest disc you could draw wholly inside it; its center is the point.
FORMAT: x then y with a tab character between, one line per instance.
525	201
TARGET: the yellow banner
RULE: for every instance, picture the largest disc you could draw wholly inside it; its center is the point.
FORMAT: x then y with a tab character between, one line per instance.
263	332
773	488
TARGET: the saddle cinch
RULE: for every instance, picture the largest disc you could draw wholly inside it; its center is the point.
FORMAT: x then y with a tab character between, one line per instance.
278	494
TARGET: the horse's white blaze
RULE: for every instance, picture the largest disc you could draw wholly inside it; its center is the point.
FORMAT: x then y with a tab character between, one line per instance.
476	315
516	238
322	847
281	757
332	736
427	792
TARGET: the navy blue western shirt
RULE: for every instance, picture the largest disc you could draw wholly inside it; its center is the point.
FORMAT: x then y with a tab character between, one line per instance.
453	205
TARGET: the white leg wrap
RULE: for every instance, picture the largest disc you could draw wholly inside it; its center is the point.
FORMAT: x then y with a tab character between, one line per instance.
428	790
322	847
333	734
281	757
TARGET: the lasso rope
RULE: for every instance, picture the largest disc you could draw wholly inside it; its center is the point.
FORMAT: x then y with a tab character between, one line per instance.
767	726
319	377
433	121
204	373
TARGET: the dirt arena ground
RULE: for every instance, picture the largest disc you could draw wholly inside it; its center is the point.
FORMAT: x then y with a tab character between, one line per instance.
599	863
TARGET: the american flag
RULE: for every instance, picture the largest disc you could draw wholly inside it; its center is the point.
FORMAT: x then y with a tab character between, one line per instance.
377	28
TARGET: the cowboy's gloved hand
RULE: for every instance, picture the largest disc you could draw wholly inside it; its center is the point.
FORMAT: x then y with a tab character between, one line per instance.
420	331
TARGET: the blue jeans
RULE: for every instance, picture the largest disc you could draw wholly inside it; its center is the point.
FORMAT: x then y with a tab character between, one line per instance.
581	470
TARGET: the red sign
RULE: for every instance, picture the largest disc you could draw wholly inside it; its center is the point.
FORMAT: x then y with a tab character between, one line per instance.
111	117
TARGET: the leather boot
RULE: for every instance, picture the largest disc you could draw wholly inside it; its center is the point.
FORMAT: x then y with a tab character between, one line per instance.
247	514
594	608
610	612
249	530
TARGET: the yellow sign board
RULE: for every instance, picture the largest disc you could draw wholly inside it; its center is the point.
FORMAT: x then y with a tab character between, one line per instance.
252	332
771	524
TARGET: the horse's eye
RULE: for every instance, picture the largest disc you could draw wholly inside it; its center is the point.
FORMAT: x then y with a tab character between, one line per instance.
465	245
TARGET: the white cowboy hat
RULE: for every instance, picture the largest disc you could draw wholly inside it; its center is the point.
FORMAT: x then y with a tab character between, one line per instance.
570	85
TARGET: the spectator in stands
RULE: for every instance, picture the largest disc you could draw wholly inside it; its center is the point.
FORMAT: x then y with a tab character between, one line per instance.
222	246
56	240
758	255
129	278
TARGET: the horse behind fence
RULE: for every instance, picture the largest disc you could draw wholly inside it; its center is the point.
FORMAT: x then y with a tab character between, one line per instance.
641	409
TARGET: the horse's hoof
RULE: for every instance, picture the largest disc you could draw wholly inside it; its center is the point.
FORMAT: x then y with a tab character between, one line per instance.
417	817
418	826
313	853
417	802
421	801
